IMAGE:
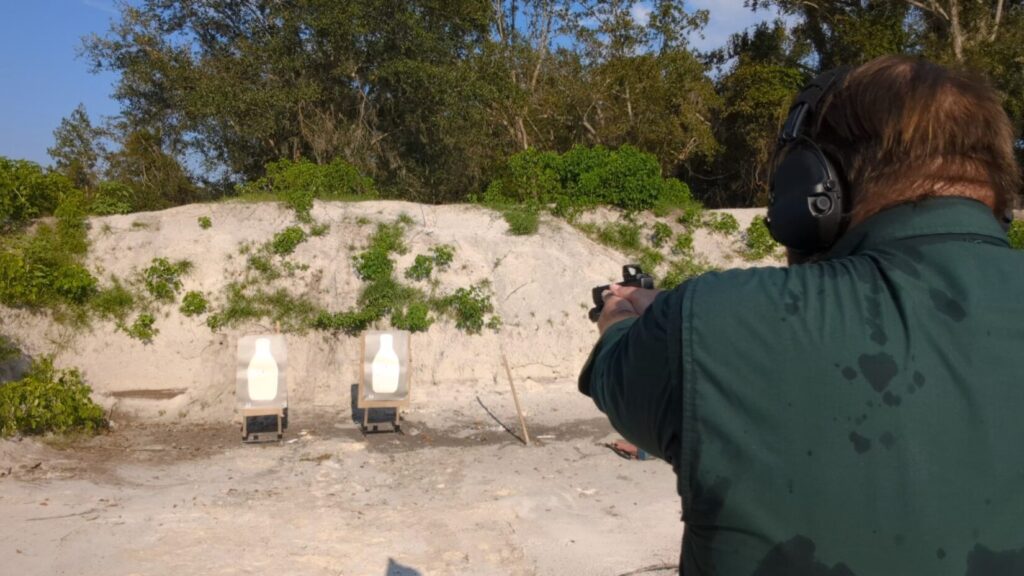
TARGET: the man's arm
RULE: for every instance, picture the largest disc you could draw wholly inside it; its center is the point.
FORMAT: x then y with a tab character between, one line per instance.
633	375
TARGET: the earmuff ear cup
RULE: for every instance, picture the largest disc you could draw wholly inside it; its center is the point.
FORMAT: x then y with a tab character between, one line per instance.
807	208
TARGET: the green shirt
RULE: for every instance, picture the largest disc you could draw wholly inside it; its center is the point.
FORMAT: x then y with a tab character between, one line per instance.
862	415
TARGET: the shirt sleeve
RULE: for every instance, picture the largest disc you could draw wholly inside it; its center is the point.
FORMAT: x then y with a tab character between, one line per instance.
633	375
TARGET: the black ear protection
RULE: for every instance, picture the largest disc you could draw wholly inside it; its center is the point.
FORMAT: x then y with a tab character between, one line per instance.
808	206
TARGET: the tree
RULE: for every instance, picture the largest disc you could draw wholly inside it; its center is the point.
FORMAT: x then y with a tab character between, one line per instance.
77	149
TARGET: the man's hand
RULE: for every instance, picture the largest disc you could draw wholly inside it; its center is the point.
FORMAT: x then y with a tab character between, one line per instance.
622	302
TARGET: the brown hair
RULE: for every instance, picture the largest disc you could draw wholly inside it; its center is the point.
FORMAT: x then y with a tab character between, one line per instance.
903	129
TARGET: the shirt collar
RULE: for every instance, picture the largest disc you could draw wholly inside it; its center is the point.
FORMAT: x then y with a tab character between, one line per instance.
933	216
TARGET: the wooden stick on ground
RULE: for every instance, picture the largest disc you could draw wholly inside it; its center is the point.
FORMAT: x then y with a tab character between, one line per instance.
515	397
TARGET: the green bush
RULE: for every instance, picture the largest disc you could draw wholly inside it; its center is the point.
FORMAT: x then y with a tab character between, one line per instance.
163	279
319	229
246	303
287	240
692	216
351	323
623	236
113	303
758	241
662	232
27	192
373	265
682	269
193	304
721	223
443	255
142	329
7	349
205	222
1016	234
112	198
469	306
48	400
522	220
414	318
586	176
43	269
261	264
297	184
684	244
421	268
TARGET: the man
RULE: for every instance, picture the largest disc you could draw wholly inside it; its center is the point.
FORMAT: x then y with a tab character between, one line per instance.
860	412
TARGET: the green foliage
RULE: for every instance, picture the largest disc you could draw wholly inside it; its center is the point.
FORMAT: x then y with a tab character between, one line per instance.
351	323
43	269
443	255
261	264
469	307
111	198
405	220
143	328
1016	234
758	242
48	400
27	192
375	264
319	229
683	244
287	240
662	232
8	349
205	222
584	177
297	184
680	270
115	302
522	220
193	303
247	303
414	318
421	268
162	278
623	236
721	223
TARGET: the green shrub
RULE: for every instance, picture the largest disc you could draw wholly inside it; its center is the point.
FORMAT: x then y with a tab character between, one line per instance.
414	318
319	229
287	240
469	306
662	232
193	303
246	303
522	220
583	177
682	269
112	198
43	269
142	329
721	223
27	192
692	216
113	303
421	268
684	244
373	265
443	255
758	241
649	260
623	236
48	400
297	184
205	222
261	264
163	278
1016	234
405	220
351	323
383	297
7	349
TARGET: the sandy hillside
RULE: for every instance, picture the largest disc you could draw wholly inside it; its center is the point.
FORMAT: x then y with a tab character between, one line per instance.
541	286
171	490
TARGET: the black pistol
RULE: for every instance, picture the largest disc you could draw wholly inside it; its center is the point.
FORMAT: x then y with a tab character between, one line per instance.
632	275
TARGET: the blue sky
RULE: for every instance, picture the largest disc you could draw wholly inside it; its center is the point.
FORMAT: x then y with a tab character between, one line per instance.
42	78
